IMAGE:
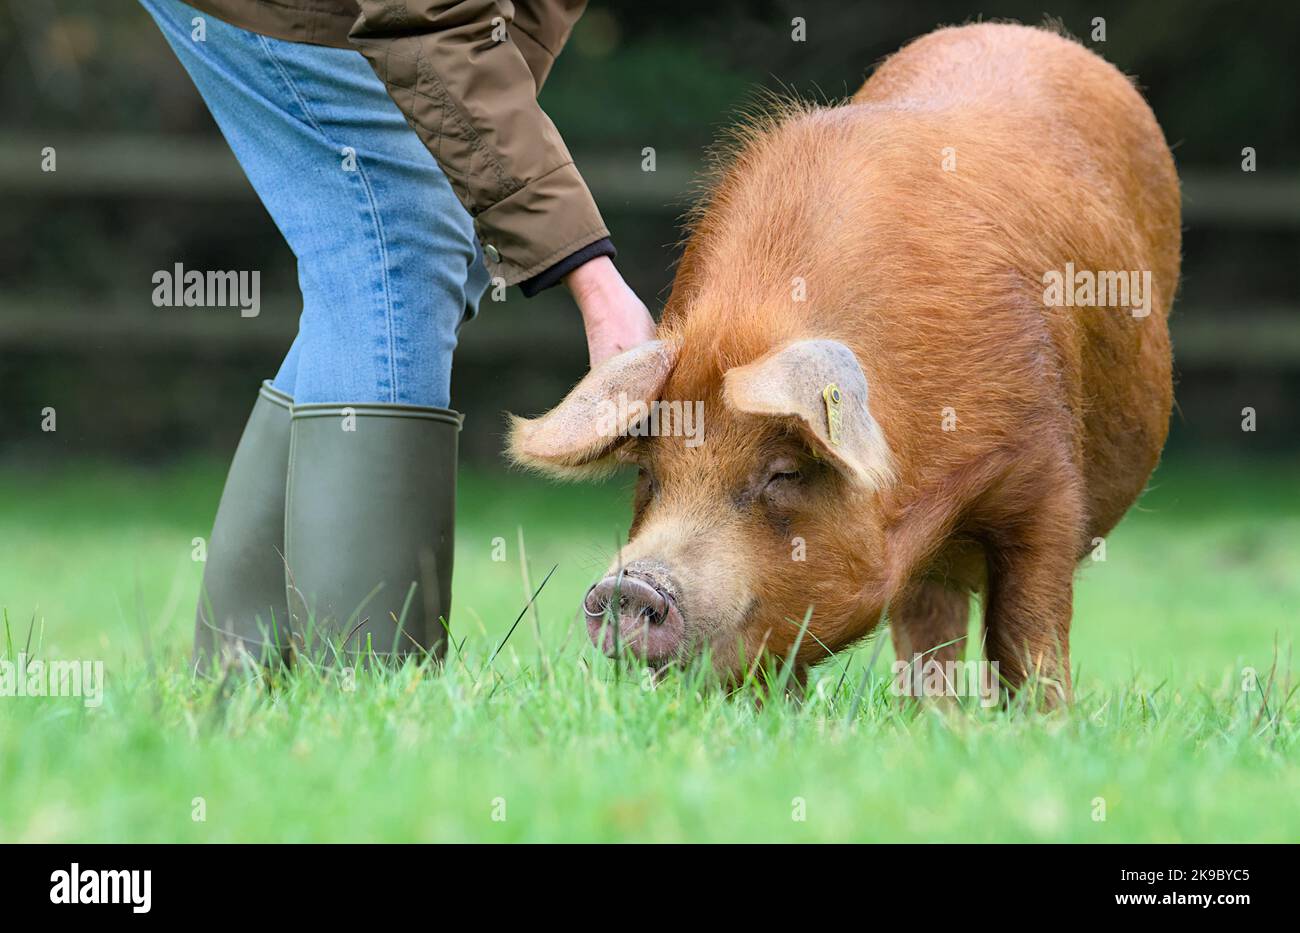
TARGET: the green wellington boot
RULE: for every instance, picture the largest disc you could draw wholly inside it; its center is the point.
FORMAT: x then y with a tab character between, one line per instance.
369	527
242	603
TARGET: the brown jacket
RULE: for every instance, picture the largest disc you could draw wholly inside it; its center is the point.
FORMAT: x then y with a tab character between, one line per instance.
466	73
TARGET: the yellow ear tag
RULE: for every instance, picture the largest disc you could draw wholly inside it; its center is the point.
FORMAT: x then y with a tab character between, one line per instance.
834	419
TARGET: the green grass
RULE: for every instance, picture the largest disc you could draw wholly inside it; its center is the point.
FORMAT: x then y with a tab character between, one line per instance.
1199	584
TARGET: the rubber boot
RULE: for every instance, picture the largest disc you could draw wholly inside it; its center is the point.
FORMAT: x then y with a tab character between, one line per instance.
369	528
242	605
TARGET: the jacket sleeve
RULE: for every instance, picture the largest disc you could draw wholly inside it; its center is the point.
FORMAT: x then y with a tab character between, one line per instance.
541	29
466	74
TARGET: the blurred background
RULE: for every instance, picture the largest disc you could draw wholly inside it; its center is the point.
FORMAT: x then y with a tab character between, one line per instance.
144	181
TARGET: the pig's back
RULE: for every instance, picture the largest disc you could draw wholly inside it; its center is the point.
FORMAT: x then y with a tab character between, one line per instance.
934	274
1000	62
1056	159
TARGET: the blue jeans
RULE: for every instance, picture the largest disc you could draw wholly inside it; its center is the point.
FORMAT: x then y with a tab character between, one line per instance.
388	263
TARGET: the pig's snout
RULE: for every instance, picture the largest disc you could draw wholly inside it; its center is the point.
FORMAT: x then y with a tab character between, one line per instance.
626	612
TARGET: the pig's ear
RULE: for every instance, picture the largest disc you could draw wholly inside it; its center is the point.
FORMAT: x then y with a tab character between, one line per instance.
819	386
575	439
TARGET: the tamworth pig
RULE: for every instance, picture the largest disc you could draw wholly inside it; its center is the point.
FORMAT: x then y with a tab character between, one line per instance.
928	329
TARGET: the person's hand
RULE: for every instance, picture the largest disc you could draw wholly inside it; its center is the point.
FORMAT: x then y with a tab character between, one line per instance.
615	318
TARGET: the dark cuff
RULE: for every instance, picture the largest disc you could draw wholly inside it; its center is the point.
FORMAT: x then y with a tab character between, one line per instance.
544	280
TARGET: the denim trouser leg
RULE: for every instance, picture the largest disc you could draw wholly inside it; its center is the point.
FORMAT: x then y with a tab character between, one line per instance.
387	259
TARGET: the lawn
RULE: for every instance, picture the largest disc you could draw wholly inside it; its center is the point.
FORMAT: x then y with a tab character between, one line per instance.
1200	585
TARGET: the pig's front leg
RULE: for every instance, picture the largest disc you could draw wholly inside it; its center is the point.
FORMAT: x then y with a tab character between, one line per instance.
928	624
1029	601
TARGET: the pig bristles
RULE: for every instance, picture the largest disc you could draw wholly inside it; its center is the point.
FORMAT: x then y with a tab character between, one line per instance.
569	469
767	111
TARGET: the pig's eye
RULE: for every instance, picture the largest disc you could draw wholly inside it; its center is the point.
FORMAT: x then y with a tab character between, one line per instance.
783	479
783	489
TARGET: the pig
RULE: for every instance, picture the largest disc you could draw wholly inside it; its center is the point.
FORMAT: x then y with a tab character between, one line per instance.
906	399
